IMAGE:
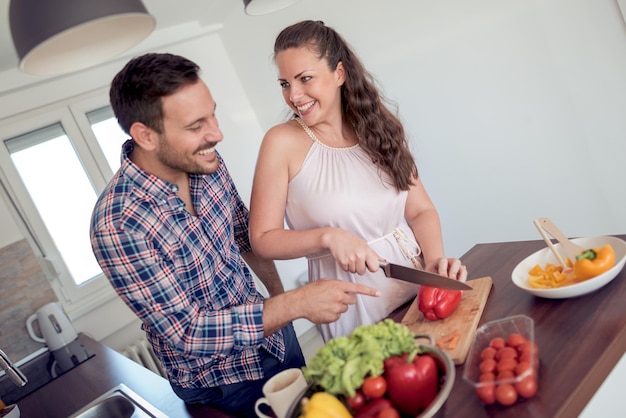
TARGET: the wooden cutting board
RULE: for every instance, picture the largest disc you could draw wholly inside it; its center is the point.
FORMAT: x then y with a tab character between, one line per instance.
464	319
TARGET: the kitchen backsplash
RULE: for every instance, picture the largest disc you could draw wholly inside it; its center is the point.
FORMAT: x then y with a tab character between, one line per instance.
23	290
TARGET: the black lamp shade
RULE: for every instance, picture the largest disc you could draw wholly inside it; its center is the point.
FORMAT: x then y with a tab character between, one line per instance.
53	37
262	7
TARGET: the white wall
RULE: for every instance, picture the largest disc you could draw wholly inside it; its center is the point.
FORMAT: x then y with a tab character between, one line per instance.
516	108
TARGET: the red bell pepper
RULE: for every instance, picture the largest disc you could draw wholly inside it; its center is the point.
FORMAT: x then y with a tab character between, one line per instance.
412	382
437	303
373	407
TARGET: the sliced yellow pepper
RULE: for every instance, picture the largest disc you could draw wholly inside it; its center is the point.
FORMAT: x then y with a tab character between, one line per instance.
594	262
324	405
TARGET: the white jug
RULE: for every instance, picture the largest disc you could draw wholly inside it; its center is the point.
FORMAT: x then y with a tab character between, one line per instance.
56	329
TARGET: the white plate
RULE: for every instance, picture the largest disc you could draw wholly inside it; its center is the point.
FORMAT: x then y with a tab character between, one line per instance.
542	257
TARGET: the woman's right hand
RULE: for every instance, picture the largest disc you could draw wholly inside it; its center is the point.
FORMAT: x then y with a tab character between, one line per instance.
352	253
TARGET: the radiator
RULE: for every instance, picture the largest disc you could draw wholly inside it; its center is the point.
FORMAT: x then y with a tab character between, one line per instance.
141	352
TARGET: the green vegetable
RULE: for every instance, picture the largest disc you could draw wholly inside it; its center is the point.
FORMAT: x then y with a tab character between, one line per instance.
588	254
342	364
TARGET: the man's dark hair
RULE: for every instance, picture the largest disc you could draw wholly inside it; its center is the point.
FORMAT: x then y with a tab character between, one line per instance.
136	91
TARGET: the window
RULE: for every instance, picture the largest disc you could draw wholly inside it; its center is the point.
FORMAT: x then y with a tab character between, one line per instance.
54	163
54	178
108	133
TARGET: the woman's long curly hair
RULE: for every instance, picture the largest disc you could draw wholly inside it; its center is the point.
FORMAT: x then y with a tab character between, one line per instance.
379	131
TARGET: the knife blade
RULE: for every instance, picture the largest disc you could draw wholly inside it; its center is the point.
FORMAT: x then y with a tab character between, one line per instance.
422	277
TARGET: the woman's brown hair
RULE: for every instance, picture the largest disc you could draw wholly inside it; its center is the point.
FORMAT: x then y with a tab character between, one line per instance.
380	132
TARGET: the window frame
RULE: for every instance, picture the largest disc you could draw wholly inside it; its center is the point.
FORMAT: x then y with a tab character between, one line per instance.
71	113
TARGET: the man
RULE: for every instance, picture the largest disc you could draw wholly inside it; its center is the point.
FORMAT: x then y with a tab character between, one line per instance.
171	233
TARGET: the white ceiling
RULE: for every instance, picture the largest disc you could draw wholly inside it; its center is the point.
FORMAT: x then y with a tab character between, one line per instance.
166	12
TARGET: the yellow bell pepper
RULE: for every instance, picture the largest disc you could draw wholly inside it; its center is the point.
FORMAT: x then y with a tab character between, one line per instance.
324	405
593	262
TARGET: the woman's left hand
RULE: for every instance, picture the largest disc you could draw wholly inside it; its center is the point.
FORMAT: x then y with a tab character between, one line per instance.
449	267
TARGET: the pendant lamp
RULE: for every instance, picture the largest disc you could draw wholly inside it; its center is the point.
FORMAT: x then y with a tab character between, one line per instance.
54	37
262	7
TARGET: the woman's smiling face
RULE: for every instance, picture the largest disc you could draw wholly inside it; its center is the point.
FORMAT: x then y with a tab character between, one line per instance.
309	86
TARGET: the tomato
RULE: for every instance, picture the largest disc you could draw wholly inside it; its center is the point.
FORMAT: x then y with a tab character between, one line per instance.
487	377
514	340
372	408
506	365
487	393
374	387
503	361
357	401
528	358
528	347
506	374
488	353
527	387
506	394
388	413
488	366
497	343
522	367
506	352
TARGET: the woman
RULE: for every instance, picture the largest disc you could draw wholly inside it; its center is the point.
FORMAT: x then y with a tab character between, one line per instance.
342	175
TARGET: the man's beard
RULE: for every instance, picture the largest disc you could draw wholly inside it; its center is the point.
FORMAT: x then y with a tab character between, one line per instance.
173	159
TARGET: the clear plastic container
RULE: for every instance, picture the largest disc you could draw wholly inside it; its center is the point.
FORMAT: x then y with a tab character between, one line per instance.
519	324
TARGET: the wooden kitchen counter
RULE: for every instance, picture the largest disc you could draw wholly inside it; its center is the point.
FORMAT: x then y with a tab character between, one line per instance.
75	389
580	339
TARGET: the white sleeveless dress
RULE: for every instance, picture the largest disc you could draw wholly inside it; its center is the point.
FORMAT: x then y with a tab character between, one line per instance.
341	187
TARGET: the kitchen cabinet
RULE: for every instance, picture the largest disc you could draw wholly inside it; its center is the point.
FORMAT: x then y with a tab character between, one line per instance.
107	369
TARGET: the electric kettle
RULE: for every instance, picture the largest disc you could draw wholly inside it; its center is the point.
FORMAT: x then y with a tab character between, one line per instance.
59	335
56	329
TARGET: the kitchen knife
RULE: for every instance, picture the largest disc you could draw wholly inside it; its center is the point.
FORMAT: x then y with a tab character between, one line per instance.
422	277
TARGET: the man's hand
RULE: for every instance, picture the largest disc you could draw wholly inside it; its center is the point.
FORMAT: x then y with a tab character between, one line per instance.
321	302
324	300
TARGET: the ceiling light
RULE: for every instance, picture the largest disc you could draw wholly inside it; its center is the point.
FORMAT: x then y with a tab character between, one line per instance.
262	7
54	37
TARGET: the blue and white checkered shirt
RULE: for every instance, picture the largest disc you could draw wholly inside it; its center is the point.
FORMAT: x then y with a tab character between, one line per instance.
183	275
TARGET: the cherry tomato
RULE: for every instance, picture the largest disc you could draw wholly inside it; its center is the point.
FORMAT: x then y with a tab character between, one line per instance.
374	387
506	365
488	353
487	377
357	401
528	347
487	393
388	413
522	368
506	394
506	352
488	366
528	358
506	374
514	340
527	387
497	343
